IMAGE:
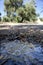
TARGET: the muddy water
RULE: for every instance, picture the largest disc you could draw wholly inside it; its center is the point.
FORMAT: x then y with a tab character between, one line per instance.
22	53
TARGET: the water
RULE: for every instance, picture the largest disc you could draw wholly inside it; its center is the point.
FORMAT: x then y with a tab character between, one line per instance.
22	53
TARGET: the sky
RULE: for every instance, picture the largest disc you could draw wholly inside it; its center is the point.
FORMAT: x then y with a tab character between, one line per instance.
39	9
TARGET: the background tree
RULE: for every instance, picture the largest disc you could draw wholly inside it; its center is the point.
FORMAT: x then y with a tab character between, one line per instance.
0	16
11	6
23	12
41	19
27	12
6	19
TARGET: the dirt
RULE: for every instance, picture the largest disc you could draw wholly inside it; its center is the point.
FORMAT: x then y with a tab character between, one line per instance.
21	32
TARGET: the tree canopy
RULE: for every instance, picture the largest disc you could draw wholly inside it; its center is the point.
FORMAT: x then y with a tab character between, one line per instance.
23	12
0	16
12	5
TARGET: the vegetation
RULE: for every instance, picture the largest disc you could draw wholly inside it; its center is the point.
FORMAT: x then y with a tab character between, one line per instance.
6	19
17	11
0	16
41	19
27	13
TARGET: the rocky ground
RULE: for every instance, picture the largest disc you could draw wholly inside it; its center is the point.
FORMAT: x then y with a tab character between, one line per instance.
21	44
22	32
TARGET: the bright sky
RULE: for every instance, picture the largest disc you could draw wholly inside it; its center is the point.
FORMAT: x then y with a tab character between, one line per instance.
39	8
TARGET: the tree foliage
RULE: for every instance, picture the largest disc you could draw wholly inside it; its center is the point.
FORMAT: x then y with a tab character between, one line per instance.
6	19
28	12
41	19
0	16
12	5
23	12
